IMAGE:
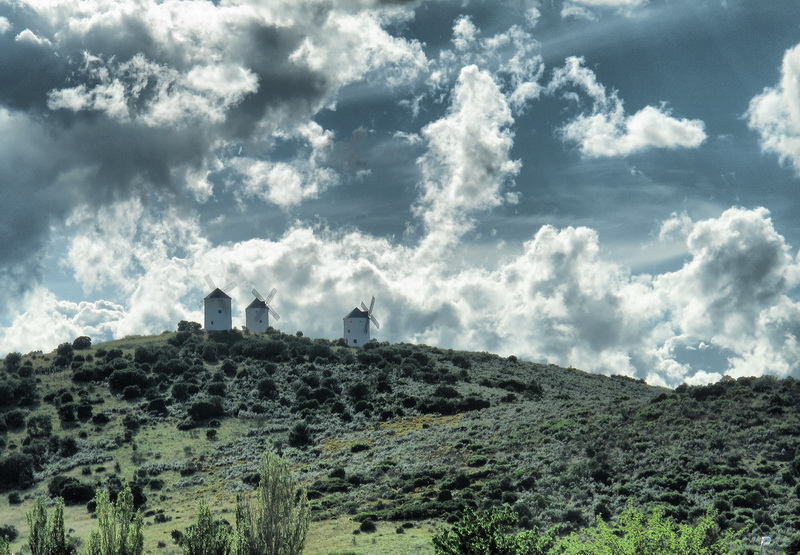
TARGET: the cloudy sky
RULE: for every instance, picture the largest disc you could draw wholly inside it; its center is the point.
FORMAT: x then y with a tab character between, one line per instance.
604	184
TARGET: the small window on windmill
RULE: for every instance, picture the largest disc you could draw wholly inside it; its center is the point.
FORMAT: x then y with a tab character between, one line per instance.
355	341
219	311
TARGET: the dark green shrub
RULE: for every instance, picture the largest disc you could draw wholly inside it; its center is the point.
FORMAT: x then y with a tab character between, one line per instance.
216	388
15	418
82	343
180	391
67	412
300	435
267	388
131	392
206	408
122	378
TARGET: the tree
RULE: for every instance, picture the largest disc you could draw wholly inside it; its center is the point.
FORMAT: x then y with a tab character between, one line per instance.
208	537
120	526
485	533
191	327
652	534
82	343
12	362
47	536
276	521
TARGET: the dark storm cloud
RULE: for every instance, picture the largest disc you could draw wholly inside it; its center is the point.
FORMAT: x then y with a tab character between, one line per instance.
68	141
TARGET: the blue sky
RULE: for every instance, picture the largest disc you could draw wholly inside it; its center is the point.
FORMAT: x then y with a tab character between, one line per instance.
606	184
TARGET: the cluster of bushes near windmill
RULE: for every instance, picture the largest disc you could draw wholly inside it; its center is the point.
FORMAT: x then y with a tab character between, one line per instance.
278	375
196	380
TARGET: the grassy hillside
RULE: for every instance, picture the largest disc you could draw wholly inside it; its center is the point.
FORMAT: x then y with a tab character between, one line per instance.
402	435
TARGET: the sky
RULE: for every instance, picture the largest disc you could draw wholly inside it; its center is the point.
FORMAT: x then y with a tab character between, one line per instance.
604	184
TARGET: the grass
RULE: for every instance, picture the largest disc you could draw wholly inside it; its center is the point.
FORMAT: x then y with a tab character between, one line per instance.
335	537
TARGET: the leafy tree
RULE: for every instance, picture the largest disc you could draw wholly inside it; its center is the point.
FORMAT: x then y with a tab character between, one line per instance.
486	533
192	327
82	343
276	521
47	536
12	362
207	537
120	526
16	471
64	354
651	534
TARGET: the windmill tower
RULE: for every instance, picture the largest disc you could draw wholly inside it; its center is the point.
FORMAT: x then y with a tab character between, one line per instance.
217	307
356	325
258	312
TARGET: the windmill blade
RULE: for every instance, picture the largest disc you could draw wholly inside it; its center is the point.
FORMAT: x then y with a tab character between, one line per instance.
366	326
271	295
209	281
273	313
374	321
364	307
257	295
371	305
229	286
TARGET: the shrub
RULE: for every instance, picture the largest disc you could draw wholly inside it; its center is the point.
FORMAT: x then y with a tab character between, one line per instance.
16	471
131	392
207	537
8	532
300	435
39	425
652	534
15	418
277	520
122	378
206	408
368	525
82	343
12	362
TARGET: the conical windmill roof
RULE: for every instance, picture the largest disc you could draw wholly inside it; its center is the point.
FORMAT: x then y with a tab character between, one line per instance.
357	313
257	304
217	294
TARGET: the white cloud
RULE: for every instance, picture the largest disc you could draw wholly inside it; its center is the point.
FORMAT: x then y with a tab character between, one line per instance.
586	9
775	113
47	321
558	300
468	161
5	25
30	37
512	57
608	131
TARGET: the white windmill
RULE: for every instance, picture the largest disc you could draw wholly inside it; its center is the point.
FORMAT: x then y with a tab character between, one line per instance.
217	307
258	312
356	325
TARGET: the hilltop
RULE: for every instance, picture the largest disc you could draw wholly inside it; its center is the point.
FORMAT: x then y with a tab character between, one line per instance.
402	435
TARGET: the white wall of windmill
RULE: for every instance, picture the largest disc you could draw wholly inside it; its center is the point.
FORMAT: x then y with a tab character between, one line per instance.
217	315
356	331
257	319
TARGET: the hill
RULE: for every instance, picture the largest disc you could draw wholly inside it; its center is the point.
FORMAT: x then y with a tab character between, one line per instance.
402	435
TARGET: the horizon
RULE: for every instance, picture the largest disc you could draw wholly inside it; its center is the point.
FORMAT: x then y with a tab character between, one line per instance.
604	184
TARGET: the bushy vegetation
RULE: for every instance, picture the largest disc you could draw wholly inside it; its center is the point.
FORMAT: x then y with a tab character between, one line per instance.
397	433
